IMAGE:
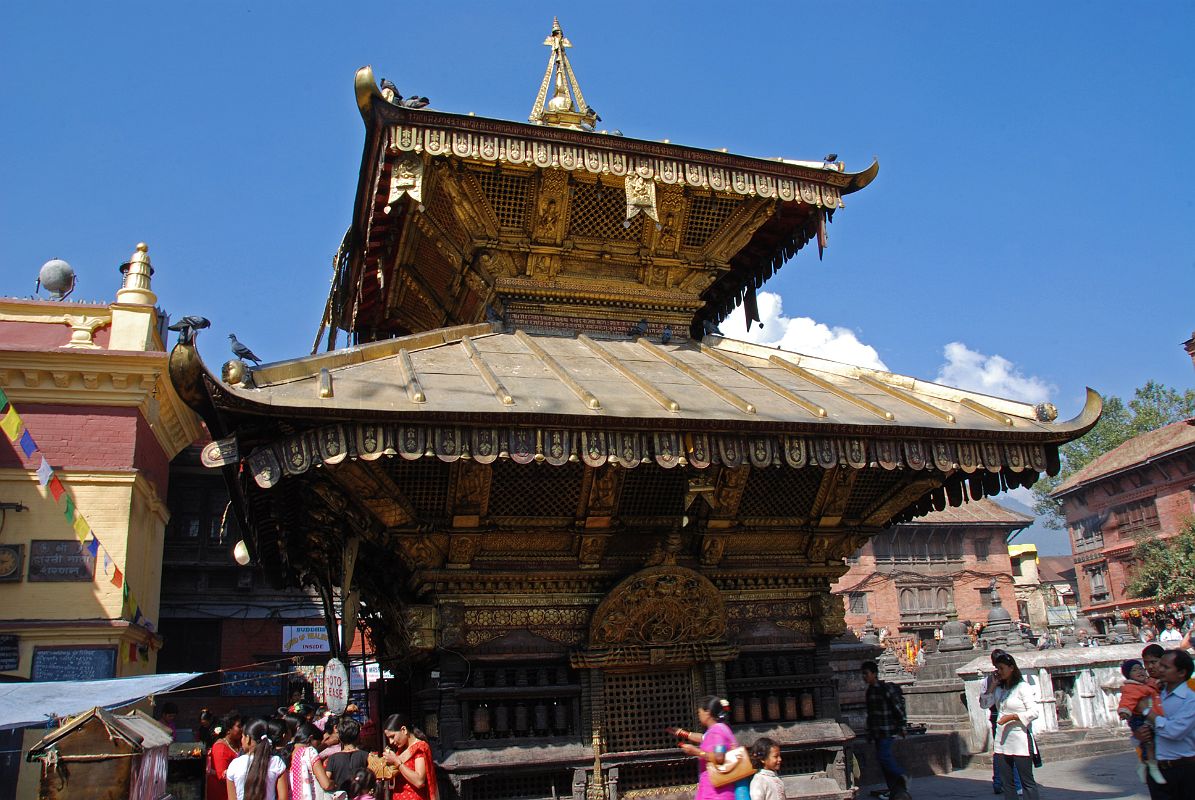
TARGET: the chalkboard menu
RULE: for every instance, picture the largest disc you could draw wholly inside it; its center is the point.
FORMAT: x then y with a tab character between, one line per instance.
250	683
60	560
10	653
73	663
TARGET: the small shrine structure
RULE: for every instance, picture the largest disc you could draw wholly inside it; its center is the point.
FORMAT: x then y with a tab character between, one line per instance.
562	504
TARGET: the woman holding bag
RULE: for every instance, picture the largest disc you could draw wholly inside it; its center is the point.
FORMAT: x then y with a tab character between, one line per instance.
715	743
1016	708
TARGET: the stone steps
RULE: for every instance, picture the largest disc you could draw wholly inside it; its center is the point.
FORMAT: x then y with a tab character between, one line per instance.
1063	745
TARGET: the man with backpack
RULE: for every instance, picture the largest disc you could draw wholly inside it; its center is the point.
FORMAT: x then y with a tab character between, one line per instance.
886	719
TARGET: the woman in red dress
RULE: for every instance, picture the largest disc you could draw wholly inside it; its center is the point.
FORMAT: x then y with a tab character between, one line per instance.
406	749
226	747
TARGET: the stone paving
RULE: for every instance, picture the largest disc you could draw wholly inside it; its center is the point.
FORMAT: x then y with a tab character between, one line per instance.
1112	777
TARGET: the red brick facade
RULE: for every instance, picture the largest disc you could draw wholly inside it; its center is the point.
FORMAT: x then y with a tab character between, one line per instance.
1142	488
905	577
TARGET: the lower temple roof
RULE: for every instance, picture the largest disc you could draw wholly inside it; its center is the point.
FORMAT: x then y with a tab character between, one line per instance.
483	392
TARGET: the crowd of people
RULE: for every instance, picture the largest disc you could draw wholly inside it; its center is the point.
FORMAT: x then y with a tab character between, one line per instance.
297	756
293	757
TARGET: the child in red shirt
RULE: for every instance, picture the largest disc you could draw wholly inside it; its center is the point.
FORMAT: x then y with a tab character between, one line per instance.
1137	697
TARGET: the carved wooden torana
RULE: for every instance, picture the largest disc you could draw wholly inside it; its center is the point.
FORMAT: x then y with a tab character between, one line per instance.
572	501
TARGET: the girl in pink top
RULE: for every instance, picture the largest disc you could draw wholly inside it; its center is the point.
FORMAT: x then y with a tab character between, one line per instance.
715	742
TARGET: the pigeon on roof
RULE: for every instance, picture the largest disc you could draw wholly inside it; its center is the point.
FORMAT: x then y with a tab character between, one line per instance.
240	351
188	326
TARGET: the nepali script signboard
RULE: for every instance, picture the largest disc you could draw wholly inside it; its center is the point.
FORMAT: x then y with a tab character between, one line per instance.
60	560
73	663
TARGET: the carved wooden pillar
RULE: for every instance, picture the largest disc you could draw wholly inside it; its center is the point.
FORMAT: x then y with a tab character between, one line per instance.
452	677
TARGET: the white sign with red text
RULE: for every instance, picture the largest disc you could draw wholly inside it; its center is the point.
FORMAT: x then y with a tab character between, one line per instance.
336	686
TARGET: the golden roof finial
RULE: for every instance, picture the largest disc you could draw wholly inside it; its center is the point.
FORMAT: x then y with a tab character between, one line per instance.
561	110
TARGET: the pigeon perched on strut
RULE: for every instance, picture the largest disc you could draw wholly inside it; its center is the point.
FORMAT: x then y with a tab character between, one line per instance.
188	326
414	102
639	328
390	91
831	158
240	351
666	336
710	327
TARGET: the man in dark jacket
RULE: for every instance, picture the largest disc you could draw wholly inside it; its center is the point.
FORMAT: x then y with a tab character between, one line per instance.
886	719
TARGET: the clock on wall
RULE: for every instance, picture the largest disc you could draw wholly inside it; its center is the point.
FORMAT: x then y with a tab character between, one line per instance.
12	559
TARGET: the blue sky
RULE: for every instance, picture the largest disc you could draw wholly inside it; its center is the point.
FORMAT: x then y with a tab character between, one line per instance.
1030	231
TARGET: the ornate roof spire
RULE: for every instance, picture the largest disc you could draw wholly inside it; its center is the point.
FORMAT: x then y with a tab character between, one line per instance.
561	110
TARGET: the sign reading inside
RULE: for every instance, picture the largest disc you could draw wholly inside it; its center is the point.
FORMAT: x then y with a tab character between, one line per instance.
336	686
60	560
304	639
73	663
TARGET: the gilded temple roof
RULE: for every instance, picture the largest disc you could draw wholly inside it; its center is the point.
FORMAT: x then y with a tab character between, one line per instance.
641	382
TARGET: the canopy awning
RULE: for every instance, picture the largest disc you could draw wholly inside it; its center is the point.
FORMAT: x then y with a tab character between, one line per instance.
27	704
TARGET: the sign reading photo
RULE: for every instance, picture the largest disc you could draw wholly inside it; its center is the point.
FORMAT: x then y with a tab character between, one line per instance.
60	560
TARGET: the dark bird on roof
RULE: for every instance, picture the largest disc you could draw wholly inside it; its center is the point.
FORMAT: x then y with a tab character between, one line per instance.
492	315
666	336
414	102
710	327
395	96
240	351
830	158
639	328
592	110
187	327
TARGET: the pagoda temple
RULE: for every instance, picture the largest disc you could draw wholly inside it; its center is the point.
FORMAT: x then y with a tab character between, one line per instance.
562	505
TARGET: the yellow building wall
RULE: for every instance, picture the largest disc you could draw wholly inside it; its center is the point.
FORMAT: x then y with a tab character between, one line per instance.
129	519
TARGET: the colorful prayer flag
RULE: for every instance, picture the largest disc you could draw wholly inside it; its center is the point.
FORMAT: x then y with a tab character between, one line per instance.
69	510
82	529
11	423
44	472
93	546
117	577
56	488
3	399
28	445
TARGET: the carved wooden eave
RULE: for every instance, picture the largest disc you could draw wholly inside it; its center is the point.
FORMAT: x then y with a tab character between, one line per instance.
769	451
455	213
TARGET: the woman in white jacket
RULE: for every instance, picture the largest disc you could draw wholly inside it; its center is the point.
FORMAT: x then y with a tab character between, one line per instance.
1016	707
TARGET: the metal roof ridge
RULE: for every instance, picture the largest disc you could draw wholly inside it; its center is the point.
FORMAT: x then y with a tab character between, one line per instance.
895	380
277	372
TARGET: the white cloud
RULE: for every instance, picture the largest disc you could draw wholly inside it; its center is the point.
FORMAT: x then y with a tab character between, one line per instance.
995	375
804	335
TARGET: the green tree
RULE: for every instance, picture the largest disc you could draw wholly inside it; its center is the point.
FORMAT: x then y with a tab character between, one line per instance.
1165	568
1153	405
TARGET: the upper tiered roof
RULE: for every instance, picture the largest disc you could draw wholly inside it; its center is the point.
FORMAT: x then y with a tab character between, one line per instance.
555	225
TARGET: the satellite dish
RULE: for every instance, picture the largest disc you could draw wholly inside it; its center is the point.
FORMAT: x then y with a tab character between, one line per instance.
58	277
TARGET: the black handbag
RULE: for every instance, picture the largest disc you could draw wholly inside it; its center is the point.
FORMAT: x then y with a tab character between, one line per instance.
1034	753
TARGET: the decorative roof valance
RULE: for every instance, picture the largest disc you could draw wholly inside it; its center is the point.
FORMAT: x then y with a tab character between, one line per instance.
495	149
332	444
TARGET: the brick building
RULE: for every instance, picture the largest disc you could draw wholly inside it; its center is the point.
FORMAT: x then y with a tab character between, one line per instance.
904	578
88	383
1142	488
